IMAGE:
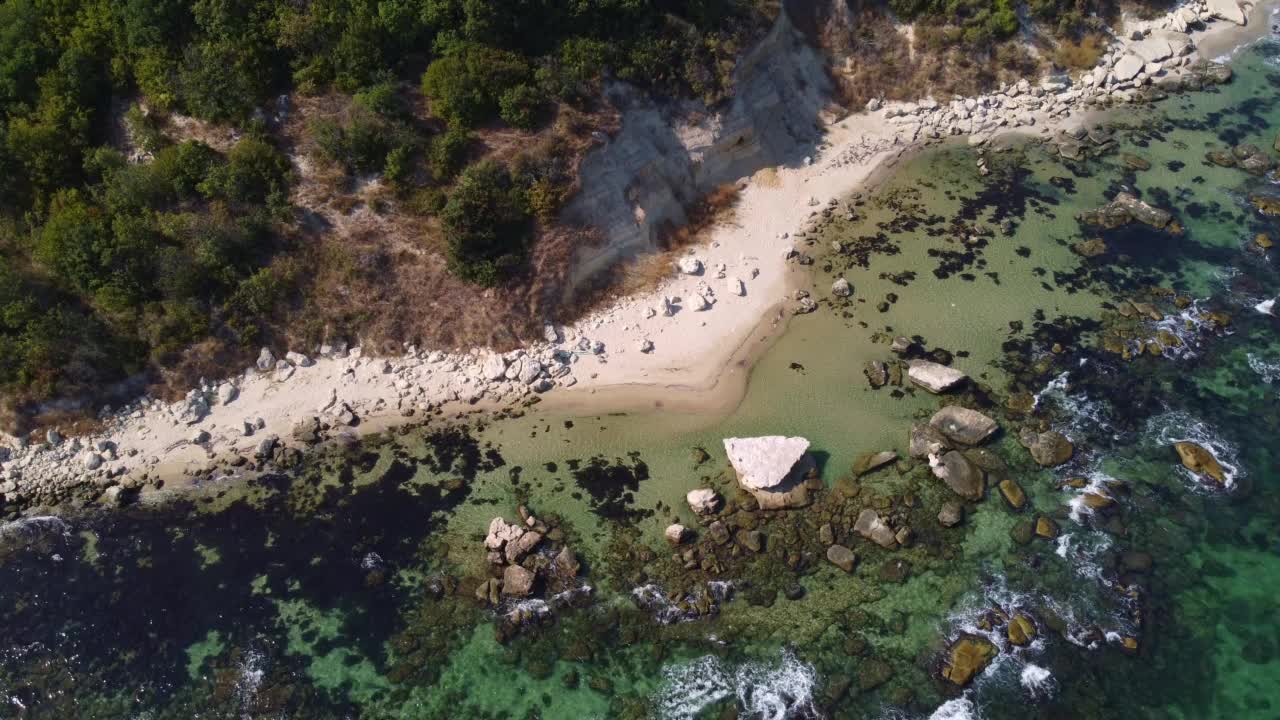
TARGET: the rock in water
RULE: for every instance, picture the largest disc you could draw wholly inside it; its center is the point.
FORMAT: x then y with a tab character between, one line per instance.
772	468
960	474
1126	209
934	377
871	461
703	501
841	288
1048	449
676	534
842	557
870	526
924	441
877	373
967	657
517	581
951	514
1013	494
1021	630
765	462
962	425
1200	461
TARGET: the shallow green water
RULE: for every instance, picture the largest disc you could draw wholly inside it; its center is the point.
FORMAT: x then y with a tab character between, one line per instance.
347	590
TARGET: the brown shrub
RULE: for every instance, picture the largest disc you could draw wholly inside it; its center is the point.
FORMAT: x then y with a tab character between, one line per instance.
1079	54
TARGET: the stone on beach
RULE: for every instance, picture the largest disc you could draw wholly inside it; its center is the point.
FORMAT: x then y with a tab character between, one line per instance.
934	377
962	425
690	265
735	286
1228	10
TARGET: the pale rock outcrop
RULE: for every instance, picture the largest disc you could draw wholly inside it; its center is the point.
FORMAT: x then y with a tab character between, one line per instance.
870	526
934	377
962	425
1128	67
772	468
1228	10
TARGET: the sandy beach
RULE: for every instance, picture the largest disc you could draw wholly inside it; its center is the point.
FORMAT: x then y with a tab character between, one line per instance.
687	345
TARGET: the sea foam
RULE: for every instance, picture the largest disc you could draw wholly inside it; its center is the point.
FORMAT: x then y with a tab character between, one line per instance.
777	690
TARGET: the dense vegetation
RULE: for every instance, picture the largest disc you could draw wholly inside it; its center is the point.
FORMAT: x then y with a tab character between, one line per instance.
120	247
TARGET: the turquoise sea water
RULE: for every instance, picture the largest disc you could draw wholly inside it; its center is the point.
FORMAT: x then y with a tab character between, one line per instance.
348	590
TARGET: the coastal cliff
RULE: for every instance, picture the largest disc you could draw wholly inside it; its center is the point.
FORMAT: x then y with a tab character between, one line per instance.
669	156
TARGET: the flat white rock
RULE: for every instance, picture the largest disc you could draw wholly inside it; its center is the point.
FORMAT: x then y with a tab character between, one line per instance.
764	462
934	377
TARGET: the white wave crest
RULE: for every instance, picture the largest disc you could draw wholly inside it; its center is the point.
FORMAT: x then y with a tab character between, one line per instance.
652	598
1179	427
961	708
776	690
1266	307
1268	372
1038	681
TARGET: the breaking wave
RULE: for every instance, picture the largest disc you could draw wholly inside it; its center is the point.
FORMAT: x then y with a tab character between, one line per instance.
654	600
778	690
1268	372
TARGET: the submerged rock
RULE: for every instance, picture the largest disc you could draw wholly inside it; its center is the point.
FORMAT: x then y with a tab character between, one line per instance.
1125	209
877	373
967	657
1013	494
1200	461
951	514
962	425
842	557
871	461
960	474
1048	449
934	377
925	440
870	526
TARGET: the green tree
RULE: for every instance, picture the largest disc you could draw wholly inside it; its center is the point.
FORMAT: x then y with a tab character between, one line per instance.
486	221
465	85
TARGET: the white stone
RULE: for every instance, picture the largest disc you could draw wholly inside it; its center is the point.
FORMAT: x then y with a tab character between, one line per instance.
934	377
1128	68
735	286
298	359
494	367
690	265
676	533
841	288
227	393
699	302
1228	10
764	462
703	501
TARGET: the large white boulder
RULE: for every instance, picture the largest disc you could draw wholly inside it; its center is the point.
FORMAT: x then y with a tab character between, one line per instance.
703	501
934	377
1128	67
690	265
1228	10
765	462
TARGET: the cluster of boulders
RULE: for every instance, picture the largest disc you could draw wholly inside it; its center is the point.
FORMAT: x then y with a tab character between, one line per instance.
1139	326
528	560
1126	209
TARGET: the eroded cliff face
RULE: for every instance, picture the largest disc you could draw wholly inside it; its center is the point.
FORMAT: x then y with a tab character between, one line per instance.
668	157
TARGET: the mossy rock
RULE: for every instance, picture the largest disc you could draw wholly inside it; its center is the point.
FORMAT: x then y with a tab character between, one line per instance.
968	657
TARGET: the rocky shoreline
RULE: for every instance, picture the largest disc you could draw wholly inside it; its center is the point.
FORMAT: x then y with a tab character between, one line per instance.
262	418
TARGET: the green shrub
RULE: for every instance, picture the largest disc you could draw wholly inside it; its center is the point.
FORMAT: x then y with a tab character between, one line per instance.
448	153
465	85
255	172
521	106
486	222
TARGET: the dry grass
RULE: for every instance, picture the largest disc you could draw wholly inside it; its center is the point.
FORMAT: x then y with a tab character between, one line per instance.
767	177
1079	55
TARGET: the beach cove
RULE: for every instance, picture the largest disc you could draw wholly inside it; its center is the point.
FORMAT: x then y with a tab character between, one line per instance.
354	584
